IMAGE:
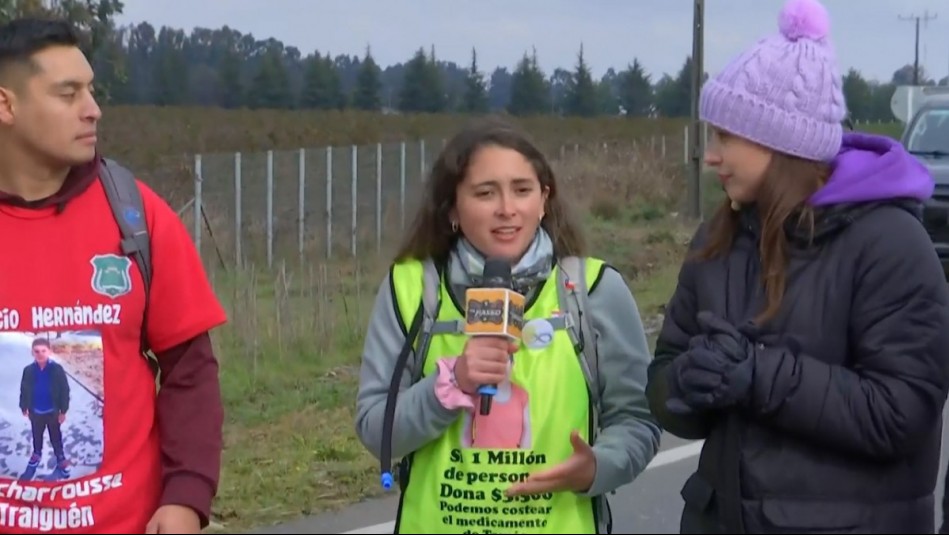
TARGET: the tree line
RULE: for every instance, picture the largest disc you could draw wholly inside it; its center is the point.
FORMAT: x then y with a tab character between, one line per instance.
141	65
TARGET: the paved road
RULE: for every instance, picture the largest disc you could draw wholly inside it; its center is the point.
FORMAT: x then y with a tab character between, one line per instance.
651	504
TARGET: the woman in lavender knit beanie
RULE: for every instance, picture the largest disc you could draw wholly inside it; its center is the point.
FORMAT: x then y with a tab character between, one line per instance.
806	340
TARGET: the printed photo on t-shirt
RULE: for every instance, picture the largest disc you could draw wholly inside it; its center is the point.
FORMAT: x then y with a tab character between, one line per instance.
51	405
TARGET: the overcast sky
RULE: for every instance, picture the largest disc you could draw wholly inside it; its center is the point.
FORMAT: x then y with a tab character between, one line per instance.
868	34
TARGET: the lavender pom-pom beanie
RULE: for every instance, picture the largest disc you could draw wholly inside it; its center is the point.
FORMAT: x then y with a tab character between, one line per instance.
785	92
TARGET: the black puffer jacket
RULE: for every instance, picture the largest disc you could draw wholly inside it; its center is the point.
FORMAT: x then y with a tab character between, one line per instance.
843	429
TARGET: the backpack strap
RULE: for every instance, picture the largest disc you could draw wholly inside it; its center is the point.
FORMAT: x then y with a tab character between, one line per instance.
423	297
420	302
431	303
125	199
572	292
573	286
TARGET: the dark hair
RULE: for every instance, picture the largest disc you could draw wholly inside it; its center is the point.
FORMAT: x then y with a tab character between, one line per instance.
788	183
21	38
430	235
41	342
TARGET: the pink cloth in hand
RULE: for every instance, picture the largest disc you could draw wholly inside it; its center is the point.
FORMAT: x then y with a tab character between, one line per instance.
449	395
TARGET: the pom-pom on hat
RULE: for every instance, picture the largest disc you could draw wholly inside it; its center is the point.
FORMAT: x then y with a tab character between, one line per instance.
785	92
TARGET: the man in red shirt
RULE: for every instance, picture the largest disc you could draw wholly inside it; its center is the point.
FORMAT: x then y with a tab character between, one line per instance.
139	462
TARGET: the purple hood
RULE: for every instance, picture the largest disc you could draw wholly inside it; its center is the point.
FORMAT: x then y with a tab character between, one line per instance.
874	168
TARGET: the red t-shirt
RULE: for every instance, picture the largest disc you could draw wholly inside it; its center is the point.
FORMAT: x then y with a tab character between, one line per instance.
68	295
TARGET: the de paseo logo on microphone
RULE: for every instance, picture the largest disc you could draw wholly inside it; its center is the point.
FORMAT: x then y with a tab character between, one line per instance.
486	311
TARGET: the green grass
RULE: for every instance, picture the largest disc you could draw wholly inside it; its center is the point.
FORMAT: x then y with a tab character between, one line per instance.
893	130
289	370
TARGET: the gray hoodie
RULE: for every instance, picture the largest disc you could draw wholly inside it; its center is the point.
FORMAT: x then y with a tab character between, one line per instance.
629	436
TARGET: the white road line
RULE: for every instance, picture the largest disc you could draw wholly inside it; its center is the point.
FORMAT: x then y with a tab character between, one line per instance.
676	454
387	527
671	456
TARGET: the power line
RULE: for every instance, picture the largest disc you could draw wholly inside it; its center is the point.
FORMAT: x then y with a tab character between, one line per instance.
925	18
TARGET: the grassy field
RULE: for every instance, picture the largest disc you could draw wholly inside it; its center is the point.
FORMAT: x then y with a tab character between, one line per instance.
173	131
184	129
894	129
163	151
290	354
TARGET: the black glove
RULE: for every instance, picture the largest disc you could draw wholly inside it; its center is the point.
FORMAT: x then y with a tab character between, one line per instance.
707	380
717	333
716	372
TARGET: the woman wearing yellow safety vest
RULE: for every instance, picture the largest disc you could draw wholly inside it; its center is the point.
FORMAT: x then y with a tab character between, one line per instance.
575	376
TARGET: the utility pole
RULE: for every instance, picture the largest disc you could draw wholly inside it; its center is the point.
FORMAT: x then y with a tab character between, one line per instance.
925	18
696	139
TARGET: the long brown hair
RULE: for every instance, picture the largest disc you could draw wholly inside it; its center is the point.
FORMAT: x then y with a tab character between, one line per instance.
788	183
431	236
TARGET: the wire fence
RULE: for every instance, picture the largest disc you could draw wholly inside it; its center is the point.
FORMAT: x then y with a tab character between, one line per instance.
262	208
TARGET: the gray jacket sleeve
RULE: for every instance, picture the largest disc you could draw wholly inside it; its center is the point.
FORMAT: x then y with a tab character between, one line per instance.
419	417
629	436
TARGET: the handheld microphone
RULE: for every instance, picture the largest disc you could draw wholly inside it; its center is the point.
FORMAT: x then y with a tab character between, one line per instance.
494	309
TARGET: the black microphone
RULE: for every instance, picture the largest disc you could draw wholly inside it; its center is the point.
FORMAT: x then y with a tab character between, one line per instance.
494	309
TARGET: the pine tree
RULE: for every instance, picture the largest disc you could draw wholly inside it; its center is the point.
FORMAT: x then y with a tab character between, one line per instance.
476	91
581	97
368	93
530	94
